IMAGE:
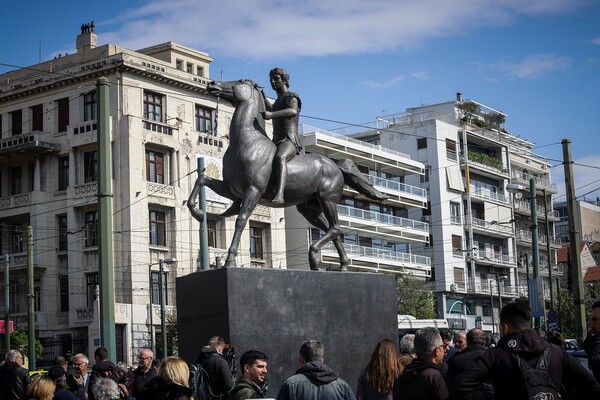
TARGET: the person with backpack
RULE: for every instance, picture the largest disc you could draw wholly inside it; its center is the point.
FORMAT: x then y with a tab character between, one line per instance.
216	380
525	366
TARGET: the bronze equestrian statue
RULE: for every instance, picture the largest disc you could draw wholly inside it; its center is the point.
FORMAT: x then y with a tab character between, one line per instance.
314	182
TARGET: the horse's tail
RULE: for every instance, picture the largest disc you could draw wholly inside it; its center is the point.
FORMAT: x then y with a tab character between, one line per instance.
356	180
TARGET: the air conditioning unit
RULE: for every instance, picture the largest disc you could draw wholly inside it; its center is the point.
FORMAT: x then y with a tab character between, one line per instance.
425	218
454	287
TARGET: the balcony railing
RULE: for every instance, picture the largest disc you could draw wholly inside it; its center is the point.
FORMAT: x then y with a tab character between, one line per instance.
492	227
307	130
158	189
30	142
489	195
525	235
493	257
393	185
18	200
526	207
485	288
539	182
85	190
158	127
362	251
381	218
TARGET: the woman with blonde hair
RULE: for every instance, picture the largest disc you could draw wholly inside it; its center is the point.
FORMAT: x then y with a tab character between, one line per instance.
176	370
40	388
376	381
171	381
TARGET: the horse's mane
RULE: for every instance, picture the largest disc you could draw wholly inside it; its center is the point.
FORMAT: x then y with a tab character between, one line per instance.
261	106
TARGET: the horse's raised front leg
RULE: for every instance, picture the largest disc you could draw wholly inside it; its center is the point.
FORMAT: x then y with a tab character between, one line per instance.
249	202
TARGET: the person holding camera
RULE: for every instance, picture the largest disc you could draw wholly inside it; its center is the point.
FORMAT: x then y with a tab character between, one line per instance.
77	381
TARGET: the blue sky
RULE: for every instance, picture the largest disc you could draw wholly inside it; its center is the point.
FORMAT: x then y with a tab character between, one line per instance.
352	60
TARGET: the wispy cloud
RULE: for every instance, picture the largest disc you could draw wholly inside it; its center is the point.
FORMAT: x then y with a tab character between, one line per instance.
532	67
270	28
383	85
420	75
595	41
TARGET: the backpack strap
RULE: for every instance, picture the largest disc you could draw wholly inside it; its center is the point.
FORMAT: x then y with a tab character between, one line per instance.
544	360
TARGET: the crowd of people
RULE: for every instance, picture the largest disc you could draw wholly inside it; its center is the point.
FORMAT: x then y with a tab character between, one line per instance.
427	366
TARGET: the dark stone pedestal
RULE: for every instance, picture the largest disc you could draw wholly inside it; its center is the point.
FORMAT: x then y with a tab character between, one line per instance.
273	311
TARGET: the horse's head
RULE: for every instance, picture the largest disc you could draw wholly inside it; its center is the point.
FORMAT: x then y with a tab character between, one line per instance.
234	91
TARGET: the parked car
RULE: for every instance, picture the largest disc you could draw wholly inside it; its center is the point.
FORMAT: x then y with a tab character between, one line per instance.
577	352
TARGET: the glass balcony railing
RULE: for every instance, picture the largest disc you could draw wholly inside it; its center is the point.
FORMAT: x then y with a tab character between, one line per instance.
393	185
362	251
381	218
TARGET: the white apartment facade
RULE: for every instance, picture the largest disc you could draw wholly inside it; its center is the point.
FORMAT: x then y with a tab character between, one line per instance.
161	121
479	230
378	236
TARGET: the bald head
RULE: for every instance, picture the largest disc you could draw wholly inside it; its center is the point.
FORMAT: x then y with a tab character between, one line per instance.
475	336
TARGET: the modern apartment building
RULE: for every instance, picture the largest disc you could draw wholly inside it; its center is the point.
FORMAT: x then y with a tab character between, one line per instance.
161	121
588	218
477	178
378	236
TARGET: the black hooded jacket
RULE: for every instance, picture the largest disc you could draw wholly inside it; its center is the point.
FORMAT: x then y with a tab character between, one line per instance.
102	369
315	380
220	380
421	380
497	365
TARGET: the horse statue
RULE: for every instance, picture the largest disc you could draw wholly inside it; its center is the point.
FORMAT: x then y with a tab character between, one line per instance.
314	183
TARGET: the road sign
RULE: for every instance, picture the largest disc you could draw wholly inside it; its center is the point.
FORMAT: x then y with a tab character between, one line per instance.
536	300
11	325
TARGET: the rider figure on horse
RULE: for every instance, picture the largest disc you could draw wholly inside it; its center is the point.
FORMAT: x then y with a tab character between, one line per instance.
285	113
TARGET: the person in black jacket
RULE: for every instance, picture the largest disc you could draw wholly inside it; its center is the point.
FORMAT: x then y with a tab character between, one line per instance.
13	377
591	345
220	381
422	378
104	368
142	374
519	338
463	360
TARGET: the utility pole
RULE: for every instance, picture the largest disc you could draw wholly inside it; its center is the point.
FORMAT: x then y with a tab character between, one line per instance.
6	304
536	259
31	302
204	263
574	243
548	249
105	219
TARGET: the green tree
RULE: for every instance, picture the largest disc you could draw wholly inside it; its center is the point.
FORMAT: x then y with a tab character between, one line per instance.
495	119
469	110
566	310
415	298
19	340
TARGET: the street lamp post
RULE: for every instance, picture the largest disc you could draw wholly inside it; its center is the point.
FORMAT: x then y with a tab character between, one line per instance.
161	300
492	306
